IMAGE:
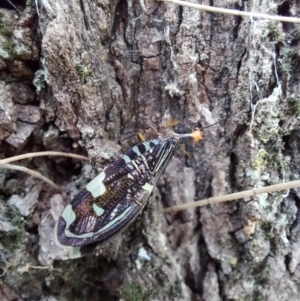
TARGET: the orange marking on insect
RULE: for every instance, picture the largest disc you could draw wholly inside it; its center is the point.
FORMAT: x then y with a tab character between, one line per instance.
141	137
197	135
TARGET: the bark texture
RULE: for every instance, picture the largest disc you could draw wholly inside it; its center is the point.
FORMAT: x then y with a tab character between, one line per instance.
81	74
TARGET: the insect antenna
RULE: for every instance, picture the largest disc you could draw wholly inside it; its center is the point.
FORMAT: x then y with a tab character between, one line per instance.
205	127
120	139
224	121
219	122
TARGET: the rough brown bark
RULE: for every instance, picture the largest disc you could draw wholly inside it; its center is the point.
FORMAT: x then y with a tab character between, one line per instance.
107	68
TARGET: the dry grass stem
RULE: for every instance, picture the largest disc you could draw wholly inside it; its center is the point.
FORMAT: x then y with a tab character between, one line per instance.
11	4
234	12
235	196
31	172
39	154
27	267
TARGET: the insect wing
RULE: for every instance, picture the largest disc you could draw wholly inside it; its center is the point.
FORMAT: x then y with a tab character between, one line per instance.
111	201
87	219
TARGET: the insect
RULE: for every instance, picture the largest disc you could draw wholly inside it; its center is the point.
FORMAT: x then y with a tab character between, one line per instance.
111	201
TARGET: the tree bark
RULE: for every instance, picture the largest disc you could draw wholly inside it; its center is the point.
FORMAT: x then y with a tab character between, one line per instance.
104	69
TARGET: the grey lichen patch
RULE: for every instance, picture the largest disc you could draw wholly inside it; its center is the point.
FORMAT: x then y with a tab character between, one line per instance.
7	48
11	229
7	45
13	214
267	118
39	80
261	274
5	28
8	116
6	23
248	280
267	158
48	250
18	35
274	32
82	71
295	104
286	58
27	203
261	161
30	3
11	239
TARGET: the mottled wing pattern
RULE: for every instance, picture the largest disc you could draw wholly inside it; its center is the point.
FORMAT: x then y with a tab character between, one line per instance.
111	201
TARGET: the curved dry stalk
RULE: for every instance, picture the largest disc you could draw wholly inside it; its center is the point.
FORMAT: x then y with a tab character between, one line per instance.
39	154
12	4
31	172
234	196
234	11
27	267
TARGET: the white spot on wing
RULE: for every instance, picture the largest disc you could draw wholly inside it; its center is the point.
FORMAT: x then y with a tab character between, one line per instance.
136	150
136	167
68	215
96	186
98	210
147	146
130	176
148	187
126	159
74	252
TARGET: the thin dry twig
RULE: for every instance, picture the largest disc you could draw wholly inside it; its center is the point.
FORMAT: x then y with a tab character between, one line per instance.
11	4
39	154
27	267
31	172
234	196
234	11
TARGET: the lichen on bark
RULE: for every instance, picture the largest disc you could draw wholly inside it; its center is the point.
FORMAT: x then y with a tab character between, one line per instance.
80	75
